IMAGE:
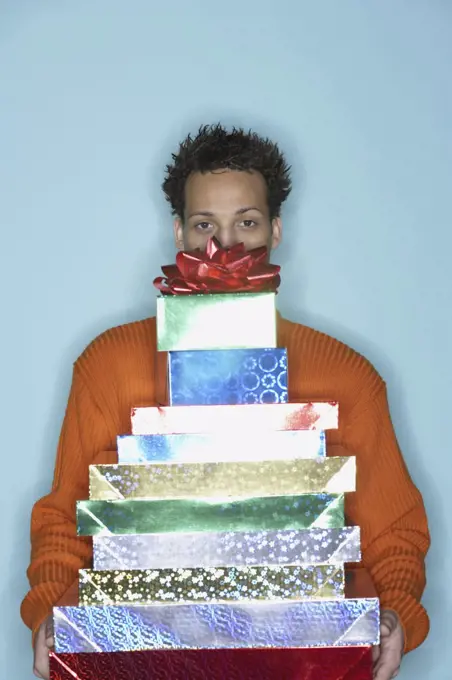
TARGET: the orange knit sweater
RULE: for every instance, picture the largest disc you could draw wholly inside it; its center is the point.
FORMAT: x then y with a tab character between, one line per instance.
121	369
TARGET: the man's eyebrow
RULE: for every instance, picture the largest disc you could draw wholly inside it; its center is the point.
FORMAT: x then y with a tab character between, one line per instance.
201	213
247	209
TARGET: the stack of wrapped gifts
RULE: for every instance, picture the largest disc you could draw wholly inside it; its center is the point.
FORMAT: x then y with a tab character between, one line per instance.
220	537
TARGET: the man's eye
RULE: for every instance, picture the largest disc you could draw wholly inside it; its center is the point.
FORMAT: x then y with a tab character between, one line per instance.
248	223
203	226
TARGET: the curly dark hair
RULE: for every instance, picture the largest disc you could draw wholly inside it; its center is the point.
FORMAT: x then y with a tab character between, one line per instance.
214	148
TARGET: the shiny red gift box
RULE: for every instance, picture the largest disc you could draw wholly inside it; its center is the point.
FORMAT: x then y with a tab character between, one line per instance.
329	663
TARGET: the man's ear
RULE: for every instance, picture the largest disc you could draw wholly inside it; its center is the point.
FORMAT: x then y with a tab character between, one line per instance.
276	237
178	229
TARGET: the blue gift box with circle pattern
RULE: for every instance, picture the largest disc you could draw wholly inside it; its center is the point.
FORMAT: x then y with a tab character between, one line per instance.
232	376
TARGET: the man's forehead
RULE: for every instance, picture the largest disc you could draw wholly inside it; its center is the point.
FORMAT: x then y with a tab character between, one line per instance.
225	190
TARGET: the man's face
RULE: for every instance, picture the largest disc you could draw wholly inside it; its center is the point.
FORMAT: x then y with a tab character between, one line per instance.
230	205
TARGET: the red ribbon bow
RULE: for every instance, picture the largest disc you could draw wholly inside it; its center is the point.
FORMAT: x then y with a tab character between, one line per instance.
219	270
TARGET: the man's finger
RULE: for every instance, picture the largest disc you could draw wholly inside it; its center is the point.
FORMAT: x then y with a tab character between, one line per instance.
41	666
385	631
389	619
41	657
49	627
382	670
376	651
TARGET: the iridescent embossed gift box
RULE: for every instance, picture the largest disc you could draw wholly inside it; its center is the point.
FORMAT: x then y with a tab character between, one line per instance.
210	584
308	623
238	418
136	516
231	376
334	663
224	446
216	549
223	480
220	321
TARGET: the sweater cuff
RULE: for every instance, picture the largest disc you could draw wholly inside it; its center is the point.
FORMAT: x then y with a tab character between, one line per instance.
39	602
412	615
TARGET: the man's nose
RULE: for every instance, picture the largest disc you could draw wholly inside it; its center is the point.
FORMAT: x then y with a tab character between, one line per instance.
227	237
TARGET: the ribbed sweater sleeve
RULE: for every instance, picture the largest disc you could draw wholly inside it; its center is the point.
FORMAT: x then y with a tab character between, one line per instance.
386	505
390	511
57	553
114	373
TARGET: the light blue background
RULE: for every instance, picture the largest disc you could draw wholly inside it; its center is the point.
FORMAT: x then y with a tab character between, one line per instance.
95	94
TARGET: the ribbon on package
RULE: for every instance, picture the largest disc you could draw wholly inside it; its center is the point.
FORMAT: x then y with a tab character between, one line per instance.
219	270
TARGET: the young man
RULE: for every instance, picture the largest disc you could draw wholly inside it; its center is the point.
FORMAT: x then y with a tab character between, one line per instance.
231	185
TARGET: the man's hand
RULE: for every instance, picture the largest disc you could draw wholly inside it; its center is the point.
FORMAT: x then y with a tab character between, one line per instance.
388	655
43	643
